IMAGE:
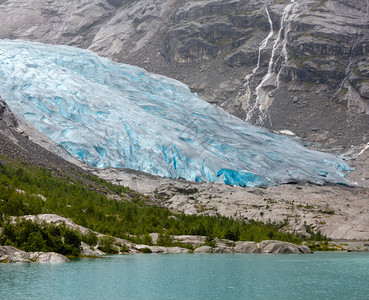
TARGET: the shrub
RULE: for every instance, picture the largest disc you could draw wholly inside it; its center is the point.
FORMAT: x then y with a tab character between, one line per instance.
106	244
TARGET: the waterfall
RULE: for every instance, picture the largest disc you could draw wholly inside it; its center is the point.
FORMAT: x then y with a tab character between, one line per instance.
266	40
347	73
249	77
262	99
294	15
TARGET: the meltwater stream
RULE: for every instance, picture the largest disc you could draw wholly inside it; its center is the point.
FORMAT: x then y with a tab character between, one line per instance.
116	115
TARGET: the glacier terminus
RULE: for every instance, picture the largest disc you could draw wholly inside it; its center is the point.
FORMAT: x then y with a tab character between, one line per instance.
115	115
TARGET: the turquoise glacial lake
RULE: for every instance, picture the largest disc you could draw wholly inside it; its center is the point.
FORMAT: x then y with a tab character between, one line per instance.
192	276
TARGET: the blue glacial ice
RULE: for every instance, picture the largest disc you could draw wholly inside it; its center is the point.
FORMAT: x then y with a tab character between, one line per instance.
116	115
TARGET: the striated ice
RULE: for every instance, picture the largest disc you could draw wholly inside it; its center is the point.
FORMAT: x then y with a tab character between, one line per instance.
115	115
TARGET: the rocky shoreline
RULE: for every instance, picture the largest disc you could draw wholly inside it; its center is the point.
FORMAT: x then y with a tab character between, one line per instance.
198	244
9	254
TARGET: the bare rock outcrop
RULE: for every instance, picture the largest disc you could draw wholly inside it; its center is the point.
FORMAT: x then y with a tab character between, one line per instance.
204	249
268	246
10	254
246	247
47	257
161	249
87	250
336	211
20	140
271	246
193	240
54	219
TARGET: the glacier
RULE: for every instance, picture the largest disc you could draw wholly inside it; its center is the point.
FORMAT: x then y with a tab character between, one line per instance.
116	115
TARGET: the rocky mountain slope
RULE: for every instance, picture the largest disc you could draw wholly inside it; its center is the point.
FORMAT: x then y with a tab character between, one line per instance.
337	211
300	66
295	65
19	140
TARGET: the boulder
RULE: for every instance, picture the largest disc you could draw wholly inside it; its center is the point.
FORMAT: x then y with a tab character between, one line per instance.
176	250
161	249
203	249
19	257
246	247
154	237
10	254
364	89
7	250
223	250
194	240
50	257
270	246
87	251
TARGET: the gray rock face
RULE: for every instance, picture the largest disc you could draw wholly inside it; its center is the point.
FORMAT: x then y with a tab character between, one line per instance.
160	249
193	240
87	251
269	246
6	115
310	48
203	249
154	237
10	254
174	250
22	141
282	247
300	204
55	219
223	250
48	257
246	247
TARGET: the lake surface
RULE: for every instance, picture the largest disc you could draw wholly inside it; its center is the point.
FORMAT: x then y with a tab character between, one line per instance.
192	276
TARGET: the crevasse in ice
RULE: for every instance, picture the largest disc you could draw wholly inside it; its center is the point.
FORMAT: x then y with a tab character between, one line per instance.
117	115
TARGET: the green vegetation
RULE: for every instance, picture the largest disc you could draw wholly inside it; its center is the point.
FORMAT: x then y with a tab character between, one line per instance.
39	236
323	246
307	206
327	211
26	189
146	250
106	244
315	236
